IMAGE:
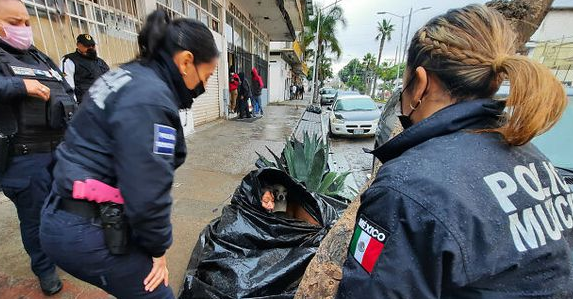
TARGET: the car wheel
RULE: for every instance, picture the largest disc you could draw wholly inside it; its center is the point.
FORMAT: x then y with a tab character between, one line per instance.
330	133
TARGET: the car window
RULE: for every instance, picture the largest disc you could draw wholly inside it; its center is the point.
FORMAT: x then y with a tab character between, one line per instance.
355	104
557	143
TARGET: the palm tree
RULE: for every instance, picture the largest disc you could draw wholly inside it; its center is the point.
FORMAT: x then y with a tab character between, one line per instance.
384	33
327	35
369	65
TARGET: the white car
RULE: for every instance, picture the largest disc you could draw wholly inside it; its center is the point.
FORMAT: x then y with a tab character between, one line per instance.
353	115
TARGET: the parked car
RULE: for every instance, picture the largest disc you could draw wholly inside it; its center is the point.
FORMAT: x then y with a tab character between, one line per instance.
341	92
556	143
327	96
355	115
388	120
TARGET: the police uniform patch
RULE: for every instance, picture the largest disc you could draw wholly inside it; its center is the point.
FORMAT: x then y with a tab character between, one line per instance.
23	71
164	140
367	243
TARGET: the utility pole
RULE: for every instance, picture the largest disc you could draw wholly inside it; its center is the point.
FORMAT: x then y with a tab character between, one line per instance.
405	42
316	55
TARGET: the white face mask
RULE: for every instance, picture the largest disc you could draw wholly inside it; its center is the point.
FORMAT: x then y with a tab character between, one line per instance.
19	37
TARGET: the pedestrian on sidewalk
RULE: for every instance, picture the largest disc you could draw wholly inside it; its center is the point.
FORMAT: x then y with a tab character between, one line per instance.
463	200
244	96
129	136
233	86
32	91
300	91
258	85
293	90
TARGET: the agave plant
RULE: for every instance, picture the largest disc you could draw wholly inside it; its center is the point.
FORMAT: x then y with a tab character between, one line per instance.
307	162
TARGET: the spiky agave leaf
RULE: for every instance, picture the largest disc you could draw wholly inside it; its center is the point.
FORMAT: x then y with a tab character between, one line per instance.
328	179
279	161
301	162
316	171
288	154
265	161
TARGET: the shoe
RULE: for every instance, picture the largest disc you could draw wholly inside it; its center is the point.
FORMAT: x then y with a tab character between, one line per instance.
51	284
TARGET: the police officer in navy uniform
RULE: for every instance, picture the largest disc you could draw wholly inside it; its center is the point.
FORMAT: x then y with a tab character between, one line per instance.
464	205
128	135
82	67
32	99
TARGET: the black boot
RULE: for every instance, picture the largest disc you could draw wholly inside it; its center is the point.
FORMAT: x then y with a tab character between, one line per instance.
51	284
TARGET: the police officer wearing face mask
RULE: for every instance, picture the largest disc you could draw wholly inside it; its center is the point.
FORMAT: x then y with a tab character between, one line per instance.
464	206
35	103
83	67
128	136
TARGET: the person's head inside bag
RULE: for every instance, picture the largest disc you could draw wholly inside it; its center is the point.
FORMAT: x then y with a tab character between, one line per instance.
465	55
188	42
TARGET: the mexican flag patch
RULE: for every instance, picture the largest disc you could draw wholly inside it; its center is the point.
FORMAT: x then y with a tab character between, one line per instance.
367	243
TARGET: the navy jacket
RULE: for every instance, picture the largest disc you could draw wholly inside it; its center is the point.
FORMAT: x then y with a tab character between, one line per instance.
128	134
457	214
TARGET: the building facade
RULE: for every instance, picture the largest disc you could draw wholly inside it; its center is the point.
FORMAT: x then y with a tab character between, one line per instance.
243	30
552	43
287	67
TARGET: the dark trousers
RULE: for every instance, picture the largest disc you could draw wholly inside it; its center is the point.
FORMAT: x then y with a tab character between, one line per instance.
76	244
243	108
27	183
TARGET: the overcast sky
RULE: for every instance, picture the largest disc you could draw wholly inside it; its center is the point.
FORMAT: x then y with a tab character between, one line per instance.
358	38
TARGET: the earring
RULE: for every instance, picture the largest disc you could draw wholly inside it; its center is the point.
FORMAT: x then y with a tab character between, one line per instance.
184	74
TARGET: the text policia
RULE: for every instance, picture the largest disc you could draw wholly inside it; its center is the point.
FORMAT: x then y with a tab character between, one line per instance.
548	218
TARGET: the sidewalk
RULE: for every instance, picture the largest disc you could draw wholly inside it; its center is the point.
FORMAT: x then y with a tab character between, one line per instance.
219	155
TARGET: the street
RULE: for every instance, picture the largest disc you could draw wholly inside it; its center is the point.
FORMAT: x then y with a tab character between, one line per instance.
219	156
347	155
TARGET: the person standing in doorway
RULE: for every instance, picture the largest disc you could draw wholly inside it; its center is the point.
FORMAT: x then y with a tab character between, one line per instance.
258	86
244	96
233	88
82	67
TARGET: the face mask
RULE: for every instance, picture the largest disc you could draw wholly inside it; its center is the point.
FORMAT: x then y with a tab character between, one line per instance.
405	120
200	88
19	37
91	53
194	93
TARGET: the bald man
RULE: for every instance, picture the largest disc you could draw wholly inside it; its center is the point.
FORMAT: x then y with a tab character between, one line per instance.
35	104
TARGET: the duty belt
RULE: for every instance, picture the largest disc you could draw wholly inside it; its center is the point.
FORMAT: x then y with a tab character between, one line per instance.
21	149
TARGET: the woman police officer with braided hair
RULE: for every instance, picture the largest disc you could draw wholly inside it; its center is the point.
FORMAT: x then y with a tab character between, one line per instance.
128	135
464	205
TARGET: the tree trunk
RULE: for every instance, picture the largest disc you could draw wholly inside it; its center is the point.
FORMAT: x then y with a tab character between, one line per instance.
383	38
525	17
325	270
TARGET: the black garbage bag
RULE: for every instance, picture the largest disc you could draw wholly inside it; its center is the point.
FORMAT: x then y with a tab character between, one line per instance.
250	253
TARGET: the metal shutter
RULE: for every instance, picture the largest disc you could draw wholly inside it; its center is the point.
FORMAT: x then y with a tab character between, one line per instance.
206	107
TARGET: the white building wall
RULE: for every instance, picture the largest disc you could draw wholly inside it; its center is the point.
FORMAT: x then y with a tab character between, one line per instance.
556	25
279	79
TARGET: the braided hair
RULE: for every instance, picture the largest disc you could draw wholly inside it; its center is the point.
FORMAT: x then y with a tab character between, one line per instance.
471	50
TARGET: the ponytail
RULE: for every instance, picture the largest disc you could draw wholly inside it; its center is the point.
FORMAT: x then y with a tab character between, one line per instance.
471	50
536	99
152	35
160	33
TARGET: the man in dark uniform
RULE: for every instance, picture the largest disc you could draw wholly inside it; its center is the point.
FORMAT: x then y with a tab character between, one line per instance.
82	67
34	102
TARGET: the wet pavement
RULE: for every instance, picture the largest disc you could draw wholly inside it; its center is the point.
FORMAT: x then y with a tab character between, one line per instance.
219	156
346	154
